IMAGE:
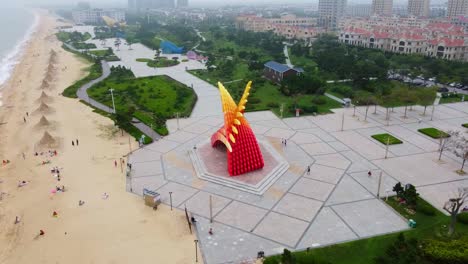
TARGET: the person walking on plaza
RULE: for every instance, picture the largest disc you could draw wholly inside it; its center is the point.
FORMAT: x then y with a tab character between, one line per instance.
308	170
369	174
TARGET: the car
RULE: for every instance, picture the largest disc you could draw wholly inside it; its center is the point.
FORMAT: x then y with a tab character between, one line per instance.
443	90
433	79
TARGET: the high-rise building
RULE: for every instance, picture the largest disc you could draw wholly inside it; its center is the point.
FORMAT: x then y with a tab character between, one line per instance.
457	8
418	8
358	10
330	12
182	3
150	4
382	7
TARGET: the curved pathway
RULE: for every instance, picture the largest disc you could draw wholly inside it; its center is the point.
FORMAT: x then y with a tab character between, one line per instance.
83	95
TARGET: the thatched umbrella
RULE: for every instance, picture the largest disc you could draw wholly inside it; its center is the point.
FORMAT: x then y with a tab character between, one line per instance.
44	98
43	122
47	141
43	109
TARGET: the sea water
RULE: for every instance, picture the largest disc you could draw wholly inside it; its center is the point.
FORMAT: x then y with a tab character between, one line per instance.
16	27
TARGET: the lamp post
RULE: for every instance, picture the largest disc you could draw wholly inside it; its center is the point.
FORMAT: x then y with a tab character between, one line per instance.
112	95
196	250
170	199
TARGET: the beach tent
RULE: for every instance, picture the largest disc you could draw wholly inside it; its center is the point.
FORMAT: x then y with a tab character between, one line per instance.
168	47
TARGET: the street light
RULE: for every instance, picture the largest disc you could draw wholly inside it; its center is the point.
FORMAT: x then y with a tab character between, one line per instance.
170	199
196	250
112	95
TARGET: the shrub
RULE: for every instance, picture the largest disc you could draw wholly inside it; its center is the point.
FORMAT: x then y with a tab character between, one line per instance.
309	108
273	105
451	251
465	125
463	218
254	100
319	100
426	209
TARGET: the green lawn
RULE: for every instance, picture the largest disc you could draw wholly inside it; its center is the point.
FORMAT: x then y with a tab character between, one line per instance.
465	125
160	63
82	45
100	53
155	98
364	251
266	96
387	139
433	132
93	72
451	98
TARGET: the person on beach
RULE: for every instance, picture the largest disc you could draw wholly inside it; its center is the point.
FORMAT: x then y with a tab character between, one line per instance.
77	142
73	143
55	214
41	232
115	163
24	119
17	220
80	203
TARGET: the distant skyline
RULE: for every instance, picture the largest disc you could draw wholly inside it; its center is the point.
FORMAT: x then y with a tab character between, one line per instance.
123	3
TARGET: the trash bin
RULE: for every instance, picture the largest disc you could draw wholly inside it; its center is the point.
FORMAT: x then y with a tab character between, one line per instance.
412	223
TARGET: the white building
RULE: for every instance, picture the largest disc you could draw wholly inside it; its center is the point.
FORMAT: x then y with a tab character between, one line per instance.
331	12
358	10
457	8
94	16
382	7
418	8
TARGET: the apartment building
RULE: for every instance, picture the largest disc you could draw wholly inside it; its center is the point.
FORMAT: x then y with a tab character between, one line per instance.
382	7
457	8
408	36
288	26
418	8
358	10
94	16
330	13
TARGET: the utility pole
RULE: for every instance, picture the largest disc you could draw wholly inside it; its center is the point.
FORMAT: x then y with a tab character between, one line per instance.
386	147
211	210
177	116
342	122
112	95
281	110
433	109
170	198
196	250
378	186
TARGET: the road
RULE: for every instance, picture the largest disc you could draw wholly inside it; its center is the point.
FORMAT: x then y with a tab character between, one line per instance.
286	54
83	95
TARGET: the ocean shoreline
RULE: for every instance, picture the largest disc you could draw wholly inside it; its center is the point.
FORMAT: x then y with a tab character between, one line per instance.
14	56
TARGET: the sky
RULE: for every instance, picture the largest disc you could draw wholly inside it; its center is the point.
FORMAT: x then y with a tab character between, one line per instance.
123	3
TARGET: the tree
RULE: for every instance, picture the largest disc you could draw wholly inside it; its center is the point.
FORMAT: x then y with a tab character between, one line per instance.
457	143
402	251
123	119
426	97
117	43
365	98
453	206
409	97
399	190
287	257
411	196
157	54
130	41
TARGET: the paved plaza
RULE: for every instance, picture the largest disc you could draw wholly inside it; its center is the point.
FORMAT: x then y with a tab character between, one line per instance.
335	202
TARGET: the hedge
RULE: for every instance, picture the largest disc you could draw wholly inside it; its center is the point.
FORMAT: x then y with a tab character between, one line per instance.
384	138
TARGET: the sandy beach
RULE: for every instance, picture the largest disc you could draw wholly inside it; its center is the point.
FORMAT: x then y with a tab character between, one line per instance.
119	229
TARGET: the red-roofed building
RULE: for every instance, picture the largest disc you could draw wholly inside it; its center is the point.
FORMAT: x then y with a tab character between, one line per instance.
408	36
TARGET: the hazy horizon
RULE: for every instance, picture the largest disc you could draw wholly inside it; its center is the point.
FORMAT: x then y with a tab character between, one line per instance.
123	3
